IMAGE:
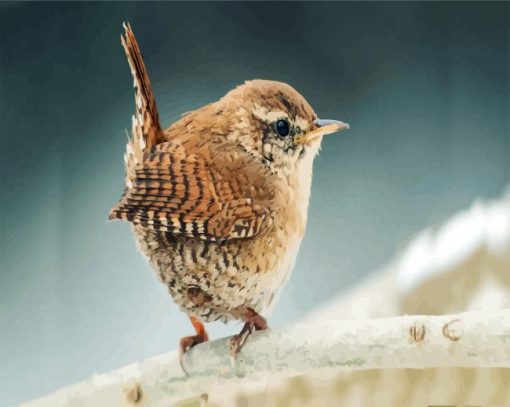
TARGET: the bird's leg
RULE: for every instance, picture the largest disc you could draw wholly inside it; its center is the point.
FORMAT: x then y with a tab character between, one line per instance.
188	342
253	322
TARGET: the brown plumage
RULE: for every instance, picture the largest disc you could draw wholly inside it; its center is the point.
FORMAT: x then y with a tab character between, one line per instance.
218	201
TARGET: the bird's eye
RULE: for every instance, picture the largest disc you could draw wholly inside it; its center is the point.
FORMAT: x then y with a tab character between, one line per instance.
282	128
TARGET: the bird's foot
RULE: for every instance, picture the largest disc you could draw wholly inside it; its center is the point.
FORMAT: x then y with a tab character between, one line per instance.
188	342
238	341
253	322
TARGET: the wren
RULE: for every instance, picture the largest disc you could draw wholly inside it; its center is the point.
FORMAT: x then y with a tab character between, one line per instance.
218	201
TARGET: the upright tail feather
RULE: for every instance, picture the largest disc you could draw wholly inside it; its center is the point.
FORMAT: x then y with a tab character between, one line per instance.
146	128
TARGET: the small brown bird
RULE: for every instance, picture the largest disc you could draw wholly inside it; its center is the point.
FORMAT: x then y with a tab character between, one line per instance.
218	201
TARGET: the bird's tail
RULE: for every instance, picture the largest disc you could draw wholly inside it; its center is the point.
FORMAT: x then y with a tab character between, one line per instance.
146	128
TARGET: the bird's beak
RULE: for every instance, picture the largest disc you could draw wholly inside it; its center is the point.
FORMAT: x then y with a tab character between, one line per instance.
322	128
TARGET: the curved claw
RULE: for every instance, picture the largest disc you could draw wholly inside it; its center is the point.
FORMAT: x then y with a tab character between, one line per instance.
188	342
237	342
185	344
253	322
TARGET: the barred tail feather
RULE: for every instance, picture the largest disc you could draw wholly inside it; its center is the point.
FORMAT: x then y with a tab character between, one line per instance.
146	128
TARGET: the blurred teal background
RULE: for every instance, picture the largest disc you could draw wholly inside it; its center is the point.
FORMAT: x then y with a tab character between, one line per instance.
425	87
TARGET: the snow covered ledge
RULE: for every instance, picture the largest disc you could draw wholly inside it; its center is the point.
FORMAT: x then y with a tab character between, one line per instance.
474	339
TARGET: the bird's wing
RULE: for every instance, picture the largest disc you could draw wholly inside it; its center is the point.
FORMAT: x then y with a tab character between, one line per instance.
182	193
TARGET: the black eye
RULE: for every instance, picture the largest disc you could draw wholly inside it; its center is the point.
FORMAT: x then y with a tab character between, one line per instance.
282	128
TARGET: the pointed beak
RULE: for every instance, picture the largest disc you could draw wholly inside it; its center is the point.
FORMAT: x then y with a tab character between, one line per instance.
321	128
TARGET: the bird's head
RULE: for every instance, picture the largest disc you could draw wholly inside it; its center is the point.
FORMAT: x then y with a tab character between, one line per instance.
274	122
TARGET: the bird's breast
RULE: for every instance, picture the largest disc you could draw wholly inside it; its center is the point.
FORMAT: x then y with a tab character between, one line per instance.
281	244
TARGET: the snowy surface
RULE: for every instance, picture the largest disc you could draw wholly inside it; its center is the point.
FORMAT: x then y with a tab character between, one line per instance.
475	339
